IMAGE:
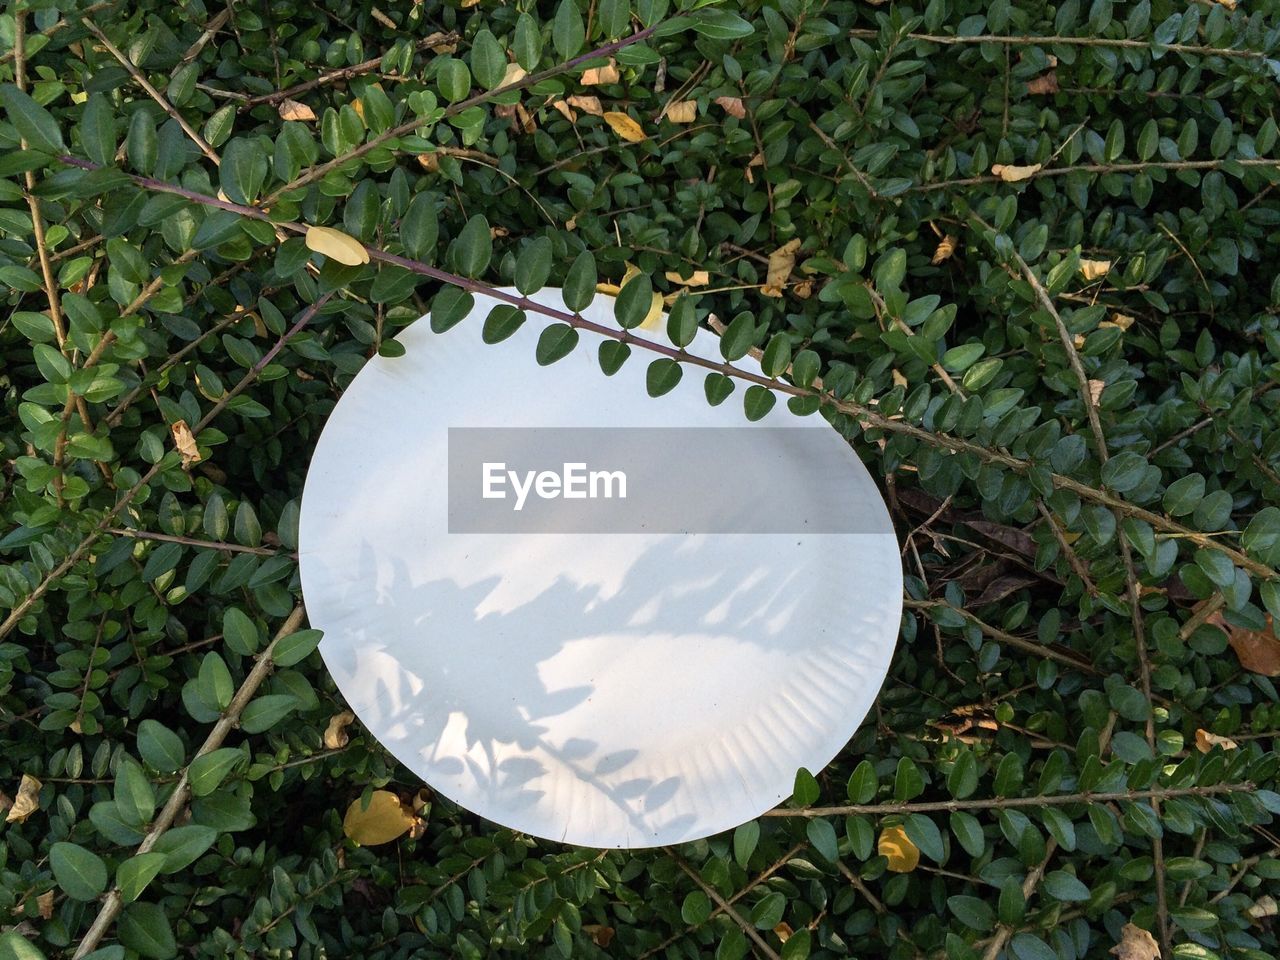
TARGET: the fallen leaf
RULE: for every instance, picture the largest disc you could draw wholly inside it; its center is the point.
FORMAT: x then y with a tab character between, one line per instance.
1135	944
44	903
384	820
1257	650
784	931
185	442
1045	83
1121	320
780	263
803	289
1011	174
732	106
699	278
27	802
1206	741
946	249
681	111
600	935
337	245
335	734
598	75
429	162
565	109
588	105
293	110
1095	390
903	855
1263	907
514	74
1094	269
625	127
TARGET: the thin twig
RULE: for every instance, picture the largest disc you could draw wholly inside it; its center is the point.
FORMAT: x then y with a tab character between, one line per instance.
1018	41
747	928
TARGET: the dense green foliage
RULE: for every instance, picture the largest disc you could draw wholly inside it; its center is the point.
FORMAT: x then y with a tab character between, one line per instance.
1071	405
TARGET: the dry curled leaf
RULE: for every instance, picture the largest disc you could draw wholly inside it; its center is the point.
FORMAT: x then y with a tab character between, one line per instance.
588	105
335	734
1012	174
1045	83
429	162
946	249
1135	944
514	74
600	935
681	111
699	278
783	931
1094	269
385	819
1095	390
337	245
293	110
1257	650
624	126
1206	741
896	846
27	801
565	110
185	442
44	903
732	106
383	19
1263	907
780	263
598	75
1121	320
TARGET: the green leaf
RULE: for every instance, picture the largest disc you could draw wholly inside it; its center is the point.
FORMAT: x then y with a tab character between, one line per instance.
924	833
453	78
634	302
739	337
133	875
908	781
98	130
80	873
662	376
823	837
962	780
556	341
612	355
777	356
768	912
473	248
420	227
682	321
805	368
240	632
33	122
14	946
1065	886
745	839
567	29
758	401
696	908
144	927
243	170
1183	495
968	832
159	746
972	912
296	647
208	771
580	282
805	793
214	681
533	266
717	388
182	846
487	60
719	24
134	794
449	307
863	783
1026	946
265	712
503	321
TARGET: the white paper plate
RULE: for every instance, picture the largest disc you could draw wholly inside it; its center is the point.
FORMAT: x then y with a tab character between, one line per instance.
629	690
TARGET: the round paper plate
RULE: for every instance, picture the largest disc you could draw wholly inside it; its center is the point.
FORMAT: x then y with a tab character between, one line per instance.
624	689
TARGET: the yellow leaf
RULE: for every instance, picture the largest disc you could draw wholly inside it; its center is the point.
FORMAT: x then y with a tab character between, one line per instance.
780	263
1094	269
1206	741
1012	174
682	111
1135	944
588	105
625	127
608	289
598	75
903	855
293	110
337	245
385	819
185	442
335	734
28	801
700	278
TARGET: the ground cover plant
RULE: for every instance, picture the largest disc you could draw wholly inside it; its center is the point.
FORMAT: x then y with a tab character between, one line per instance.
1023	256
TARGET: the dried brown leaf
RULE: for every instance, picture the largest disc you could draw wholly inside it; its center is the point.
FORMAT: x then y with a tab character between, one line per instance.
44	903
383	19
600	935
27	801
1094	269
185	442
1012	174
625	127
732	106
429	162
1121	320
1263	907
598	75
588	105
335	734
946	249
781	262
1045	83
1095	390
783	931
1206	741
565	109
1136	944
294	110
1257	650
